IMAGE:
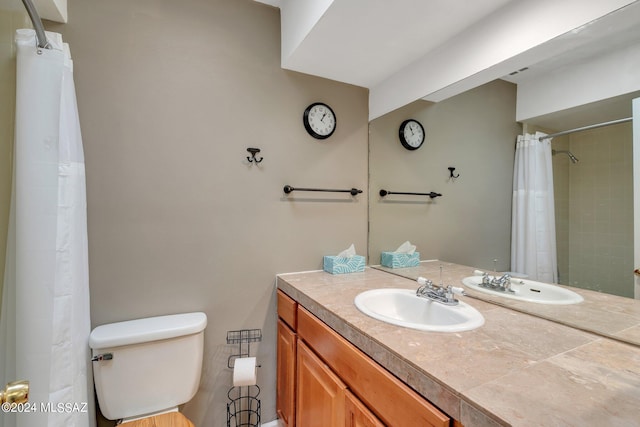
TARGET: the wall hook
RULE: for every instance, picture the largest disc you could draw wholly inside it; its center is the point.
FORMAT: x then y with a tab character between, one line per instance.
451	175
253	157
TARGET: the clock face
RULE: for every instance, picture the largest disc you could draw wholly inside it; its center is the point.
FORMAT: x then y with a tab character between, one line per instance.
411	134
319	120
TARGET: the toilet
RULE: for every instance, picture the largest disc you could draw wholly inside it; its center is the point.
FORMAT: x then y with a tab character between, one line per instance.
144	369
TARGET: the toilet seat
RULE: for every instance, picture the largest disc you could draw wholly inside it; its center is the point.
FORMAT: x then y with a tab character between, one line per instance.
170	419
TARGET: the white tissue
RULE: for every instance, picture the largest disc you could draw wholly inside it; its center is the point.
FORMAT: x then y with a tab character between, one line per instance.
348	253
244	371
406	248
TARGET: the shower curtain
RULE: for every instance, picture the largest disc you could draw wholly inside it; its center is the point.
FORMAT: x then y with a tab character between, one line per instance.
533	228
44	322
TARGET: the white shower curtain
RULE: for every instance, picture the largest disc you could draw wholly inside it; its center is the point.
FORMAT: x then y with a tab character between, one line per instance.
44	322
533	227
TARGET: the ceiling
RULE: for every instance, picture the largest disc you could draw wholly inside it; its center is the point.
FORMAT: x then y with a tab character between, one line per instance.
411	49
362	42
422	49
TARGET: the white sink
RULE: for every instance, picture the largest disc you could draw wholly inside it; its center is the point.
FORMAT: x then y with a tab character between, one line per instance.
403	308
528	290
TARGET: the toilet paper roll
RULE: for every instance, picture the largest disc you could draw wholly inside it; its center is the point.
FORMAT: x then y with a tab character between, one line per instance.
244	371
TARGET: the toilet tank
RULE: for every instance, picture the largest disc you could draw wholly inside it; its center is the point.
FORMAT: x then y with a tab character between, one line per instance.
147	365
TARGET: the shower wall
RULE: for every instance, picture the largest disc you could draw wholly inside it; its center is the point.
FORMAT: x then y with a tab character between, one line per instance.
10	20
561	168
594	209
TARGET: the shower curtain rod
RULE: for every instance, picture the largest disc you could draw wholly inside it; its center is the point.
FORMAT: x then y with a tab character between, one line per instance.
37	24
598	125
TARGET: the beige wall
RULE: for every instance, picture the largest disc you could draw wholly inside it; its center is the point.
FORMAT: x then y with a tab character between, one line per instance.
170	96
10	20
475	132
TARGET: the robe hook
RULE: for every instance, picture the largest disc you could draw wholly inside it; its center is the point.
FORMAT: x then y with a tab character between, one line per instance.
451	175
253	157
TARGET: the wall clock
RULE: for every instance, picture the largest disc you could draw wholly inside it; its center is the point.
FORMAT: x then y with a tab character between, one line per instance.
319	120
411	134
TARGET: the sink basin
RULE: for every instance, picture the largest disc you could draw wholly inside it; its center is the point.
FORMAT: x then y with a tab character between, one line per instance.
528	290
403	308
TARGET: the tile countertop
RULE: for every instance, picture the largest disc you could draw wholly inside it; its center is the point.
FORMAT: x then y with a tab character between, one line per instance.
516	369
605	314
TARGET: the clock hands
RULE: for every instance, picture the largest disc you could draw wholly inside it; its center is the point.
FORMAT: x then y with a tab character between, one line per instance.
411	134
319	120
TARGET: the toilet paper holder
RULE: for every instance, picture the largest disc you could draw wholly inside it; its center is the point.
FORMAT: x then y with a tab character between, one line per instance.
244	338
243	408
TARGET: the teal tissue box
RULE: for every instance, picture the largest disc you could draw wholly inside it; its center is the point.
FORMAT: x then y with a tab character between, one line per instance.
341	265
400	260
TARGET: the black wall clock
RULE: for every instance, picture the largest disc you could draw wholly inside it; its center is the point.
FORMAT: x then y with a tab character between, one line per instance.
411	134
319	120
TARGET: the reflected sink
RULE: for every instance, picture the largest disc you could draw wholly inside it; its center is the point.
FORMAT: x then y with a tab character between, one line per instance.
528	290
403	308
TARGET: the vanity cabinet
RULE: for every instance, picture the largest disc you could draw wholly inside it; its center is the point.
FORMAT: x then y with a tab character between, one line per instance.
336	384
320	393
286	364
358	415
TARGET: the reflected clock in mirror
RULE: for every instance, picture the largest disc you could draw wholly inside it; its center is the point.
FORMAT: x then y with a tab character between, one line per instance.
467	127
411	134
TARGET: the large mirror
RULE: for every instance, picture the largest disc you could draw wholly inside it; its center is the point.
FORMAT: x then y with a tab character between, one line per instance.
475	133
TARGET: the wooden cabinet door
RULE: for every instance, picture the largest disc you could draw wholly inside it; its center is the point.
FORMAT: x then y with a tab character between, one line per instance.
286	377
321	394
393	402
358	415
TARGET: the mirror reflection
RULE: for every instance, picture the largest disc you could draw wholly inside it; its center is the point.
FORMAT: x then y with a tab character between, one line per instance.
593	193
475	132
604	314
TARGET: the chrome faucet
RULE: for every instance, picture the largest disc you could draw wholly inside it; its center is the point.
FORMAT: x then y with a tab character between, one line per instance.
501	284
441	294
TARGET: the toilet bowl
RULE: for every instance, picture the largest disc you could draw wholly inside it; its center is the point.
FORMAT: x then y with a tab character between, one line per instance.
144	369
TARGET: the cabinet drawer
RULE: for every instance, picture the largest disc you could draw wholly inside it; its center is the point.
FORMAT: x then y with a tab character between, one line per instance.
287	309
389	398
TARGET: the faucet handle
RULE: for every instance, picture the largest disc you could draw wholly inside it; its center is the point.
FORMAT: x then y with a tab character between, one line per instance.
506	282
457	290
486	279
425	286
424	282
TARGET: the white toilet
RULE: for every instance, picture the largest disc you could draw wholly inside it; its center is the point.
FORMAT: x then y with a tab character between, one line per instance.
143	369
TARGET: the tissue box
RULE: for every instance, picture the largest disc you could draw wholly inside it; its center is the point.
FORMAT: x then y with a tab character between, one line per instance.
400	260
341	265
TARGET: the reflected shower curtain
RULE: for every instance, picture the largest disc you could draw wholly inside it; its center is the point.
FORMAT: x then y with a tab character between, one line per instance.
44	324
533	227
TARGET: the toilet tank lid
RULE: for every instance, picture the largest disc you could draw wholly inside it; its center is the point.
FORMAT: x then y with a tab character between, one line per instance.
147	329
